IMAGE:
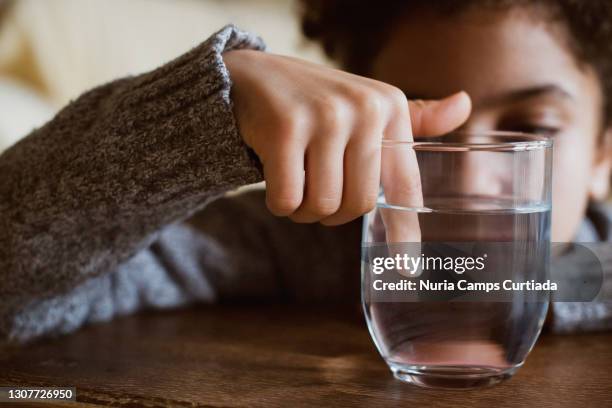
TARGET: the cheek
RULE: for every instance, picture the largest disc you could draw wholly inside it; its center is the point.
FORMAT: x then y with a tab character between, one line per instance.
571	173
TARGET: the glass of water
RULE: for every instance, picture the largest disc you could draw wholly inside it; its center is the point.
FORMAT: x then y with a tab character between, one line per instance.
455	256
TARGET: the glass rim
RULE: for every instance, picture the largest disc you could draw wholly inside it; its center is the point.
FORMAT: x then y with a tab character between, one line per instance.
528	141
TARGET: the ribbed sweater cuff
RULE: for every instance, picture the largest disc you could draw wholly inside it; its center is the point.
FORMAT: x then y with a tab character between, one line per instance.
185	109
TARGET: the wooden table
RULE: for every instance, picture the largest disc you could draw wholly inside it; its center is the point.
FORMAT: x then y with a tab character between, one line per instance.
283	356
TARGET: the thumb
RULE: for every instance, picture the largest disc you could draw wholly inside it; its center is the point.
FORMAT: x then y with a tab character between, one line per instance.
437	117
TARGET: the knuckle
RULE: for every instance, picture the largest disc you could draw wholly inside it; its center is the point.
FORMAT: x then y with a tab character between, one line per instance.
369	104
324	206
396	98
289	122
332	112
364	204
285	125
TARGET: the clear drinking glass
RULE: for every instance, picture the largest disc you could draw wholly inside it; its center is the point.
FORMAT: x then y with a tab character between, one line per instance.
484	196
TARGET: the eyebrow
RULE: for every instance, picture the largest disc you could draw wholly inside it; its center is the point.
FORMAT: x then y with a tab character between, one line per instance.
516	95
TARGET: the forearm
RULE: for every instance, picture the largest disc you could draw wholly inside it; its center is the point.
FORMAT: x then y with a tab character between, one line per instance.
91	188
233	249
149	279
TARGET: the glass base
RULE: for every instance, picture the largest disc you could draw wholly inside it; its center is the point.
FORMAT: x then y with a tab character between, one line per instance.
451	377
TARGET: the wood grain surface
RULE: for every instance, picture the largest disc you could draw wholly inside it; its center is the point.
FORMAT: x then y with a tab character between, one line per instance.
282	356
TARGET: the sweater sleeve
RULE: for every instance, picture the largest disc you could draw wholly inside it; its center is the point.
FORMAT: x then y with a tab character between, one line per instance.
595	234
87	193
231	250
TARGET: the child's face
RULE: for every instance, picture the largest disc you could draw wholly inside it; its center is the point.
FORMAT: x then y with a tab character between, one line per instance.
521	76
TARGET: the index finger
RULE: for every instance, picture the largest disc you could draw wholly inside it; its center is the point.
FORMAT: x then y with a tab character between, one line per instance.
400	175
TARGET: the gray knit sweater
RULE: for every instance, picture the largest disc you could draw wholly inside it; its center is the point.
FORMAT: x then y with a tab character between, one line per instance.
115	206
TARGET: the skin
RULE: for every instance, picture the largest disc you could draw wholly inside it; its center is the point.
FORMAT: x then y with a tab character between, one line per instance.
528	80
318	130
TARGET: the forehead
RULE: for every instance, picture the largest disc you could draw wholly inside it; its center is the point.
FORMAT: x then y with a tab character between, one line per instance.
482	52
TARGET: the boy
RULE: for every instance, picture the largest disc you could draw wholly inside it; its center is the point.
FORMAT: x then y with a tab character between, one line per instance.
107	209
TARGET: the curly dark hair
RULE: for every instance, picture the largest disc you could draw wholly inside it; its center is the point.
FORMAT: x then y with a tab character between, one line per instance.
351	31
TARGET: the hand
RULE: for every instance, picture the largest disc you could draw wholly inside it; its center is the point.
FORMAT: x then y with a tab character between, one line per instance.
318	132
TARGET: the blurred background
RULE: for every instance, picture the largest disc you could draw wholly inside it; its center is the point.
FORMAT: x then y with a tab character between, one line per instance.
51	51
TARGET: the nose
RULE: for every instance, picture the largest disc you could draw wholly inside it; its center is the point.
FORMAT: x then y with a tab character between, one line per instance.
480	174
